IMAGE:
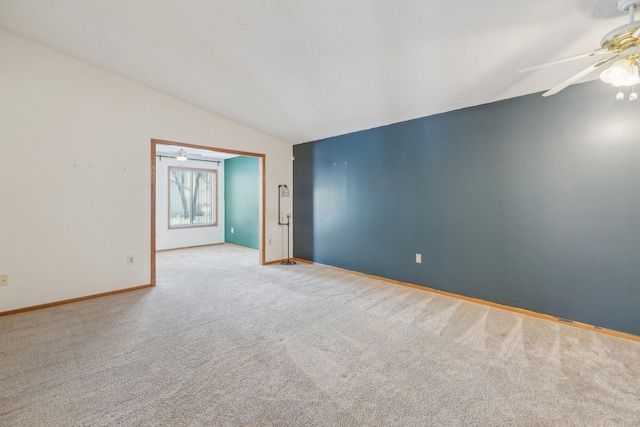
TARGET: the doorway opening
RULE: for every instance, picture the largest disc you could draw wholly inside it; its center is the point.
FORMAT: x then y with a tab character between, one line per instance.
194	210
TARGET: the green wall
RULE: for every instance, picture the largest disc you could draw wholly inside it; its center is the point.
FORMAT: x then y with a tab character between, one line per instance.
241	198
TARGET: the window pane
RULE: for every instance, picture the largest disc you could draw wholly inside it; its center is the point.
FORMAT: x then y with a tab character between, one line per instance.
201	203
192	197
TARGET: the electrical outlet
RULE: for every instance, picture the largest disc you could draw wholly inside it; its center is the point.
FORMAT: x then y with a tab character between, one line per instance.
269	242
4	280
418	258
130	260
231	230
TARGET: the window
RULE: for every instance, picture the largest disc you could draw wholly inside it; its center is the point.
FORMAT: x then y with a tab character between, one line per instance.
193	197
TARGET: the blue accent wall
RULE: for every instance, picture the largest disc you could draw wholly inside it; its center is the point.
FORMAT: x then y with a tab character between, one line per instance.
530	202
241	201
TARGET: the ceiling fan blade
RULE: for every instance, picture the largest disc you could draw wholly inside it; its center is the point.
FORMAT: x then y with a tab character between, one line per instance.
571	58
578	76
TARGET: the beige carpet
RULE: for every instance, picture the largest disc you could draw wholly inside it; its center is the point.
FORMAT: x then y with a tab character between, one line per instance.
222	341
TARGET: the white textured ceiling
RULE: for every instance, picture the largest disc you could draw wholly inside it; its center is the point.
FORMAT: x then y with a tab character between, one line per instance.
304	70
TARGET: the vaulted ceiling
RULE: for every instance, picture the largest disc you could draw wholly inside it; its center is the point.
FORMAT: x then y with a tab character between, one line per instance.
305	70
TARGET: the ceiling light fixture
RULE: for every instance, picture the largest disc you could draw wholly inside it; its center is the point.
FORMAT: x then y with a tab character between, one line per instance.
182	156
624	42
624	73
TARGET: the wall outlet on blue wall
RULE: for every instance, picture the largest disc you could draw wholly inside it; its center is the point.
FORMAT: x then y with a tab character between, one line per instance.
418	258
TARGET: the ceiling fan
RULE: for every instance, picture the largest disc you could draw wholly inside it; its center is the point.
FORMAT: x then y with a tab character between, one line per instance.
624	43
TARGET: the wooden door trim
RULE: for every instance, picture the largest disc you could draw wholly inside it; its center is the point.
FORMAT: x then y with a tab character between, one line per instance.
262	158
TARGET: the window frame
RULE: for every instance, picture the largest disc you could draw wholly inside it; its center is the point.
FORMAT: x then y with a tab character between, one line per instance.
214	198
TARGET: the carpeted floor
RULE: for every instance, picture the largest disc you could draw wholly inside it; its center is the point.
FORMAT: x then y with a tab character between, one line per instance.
222	341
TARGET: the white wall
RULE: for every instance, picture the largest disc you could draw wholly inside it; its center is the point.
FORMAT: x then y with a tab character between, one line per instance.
75	168
184	237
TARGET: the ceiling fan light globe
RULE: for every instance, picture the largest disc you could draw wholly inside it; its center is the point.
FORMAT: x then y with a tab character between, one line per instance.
619	96
182	156
621	73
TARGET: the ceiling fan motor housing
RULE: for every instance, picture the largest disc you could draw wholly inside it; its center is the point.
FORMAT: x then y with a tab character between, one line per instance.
621	38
